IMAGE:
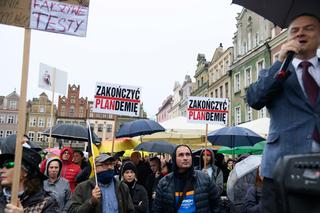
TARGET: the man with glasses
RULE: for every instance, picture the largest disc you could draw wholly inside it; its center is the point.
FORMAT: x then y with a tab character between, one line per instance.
186	189
108	195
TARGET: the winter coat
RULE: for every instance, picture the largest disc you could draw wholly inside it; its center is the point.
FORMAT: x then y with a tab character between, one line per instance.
206	195
217	173
81	199
252	200
40	202
139	198
60	188
69	169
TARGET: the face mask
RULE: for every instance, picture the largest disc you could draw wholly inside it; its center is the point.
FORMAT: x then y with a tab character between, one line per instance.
105	177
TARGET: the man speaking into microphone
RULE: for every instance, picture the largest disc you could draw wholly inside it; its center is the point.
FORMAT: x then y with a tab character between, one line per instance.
292	101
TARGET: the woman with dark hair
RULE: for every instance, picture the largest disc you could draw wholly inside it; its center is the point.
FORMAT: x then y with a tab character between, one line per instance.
32	197
252	200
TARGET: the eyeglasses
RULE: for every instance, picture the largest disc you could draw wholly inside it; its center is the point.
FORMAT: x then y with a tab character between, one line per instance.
7	165
66	153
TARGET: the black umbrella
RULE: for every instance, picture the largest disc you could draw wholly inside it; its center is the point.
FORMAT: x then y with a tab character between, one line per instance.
157	146
70	132
139	127
8	144
234	136
281	12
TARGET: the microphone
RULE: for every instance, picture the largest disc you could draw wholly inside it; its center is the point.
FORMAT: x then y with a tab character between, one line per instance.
281	74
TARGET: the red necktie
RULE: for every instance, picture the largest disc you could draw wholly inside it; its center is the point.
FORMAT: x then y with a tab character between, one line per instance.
312	90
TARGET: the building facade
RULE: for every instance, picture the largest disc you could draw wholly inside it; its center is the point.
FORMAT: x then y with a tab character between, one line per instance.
9	106
175	108
219	74
201	77
252	53
185	92
39	117
163	112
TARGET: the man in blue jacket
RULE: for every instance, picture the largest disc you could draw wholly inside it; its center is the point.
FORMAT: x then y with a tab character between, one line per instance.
186	190
292	101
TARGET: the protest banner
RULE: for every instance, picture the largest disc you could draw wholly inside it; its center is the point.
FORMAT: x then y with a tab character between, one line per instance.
46	77
15	12
60	16
117	99
208	110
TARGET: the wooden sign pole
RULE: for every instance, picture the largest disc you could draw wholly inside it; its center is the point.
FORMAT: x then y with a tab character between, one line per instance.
114	133
51	116
21	117
206	145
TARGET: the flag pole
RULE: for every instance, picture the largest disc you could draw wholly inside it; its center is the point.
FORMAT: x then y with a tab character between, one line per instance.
21	117
114	133
53	88
92	152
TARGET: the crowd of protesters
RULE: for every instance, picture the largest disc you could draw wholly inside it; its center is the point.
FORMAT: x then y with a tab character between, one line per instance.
182	182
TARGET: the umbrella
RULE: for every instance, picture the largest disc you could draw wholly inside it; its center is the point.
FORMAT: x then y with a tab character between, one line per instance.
55	151
70	132
234	136
120	144
139	127
242	177
9	144
282	12
260	145
238	150
157	146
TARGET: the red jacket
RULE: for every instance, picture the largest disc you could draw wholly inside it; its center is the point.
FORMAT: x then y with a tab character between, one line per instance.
69	169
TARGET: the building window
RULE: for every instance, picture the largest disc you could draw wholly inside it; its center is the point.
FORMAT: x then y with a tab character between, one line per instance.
12	104
9	132
216	93
100	127
71	110
41	122
201	81
211	94
248	78
221	91
42	109
11	119
226	87
249	113
1	133
260	66
237	82
33	121
262	112
237	115
63	108
2	119
81	109
72	100
109	128
31	135
39	136
49	122
257	39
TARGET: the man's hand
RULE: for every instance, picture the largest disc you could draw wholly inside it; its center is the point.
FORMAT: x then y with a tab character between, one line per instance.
13	209
290	45
96	195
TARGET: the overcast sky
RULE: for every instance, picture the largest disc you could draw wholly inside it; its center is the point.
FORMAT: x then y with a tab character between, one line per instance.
145	43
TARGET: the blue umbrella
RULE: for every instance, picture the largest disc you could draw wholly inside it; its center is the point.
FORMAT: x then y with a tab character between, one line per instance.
157	146
234	136
139	127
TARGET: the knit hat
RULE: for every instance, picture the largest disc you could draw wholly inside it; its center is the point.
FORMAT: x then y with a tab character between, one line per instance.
128	166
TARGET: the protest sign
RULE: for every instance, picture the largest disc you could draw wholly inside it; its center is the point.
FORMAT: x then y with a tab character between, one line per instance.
117	99
208	110
15	12
46	74
59	16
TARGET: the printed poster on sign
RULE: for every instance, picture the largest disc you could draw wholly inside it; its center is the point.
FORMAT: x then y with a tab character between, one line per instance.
208	110
117	99
64	17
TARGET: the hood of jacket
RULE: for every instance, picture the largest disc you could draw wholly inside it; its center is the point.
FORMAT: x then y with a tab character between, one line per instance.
49	160
201	162
70	150
174	160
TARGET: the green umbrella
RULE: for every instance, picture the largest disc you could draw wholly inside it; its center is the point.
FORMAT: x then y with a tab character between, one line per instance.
260	145
238	150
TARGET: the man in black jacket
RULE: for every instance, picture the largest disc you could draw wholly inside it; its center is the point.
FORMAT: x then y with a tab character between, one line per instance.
186	190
